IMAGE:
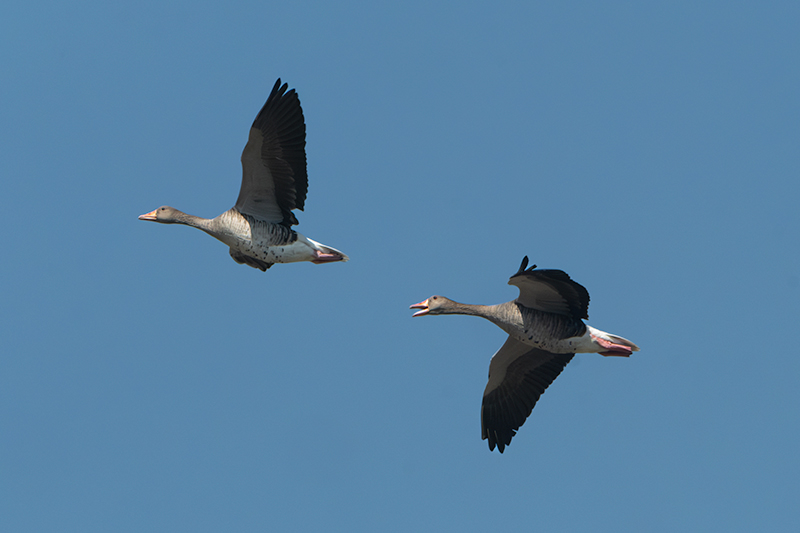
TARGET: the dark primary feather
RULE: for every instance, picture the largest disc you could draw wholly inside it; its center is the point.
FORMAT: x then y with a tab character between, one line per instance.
506	407
552	291
523	266
282	124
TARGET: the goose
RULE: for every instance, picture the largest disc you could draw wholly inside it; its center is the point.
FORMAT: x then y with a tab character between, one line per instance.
545	330
258	228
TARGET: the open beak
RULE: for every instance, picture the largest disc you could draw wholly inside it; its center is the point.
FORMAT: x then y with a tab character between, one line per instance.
149	216
423	306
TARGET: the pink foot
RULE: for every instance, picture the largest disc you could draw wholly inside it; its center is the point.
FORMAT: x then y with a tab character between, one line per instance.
612	349
326	258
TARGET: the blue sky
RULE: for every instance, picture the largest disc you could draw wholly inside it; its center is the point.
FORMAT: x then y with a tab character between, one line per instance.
650	150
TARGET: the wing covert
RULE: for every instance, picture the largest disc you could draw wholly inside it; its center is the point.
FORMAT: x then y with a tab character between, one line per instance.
552	291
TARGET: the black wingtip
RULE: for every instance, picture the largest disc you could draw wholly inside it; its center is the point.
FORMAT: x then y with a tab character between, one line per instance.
496	442
278	90
523	266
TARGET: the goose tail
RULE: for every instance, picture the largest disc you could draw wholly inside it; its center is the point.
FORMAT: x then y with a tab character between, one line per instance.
326	254
609	344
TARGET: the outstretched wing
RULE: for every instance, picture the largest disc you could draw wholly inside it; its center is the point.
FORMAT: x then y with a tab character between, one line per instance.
518	376
552	291
274	174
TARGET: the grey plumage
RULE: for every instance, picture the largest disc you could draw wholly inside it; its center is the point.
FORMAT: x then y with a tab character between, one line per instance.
545	330
274	182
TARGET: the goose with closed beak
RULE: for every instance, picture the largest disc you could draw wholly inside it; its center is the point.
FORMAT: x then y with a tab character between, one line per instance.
258	229
545	330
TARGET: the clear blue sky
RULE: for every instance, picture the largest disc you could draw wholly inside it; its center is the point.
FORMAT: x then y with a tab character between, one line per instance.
149	383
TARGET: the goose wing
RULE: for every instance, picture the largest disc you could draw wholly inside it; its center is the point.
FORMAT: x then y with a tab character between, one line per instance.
518	376
274	175
552	291
243	259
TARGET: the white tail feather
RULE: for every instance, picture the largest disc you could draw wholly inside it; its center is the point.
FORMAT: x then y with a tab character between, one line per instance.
608	337
327	249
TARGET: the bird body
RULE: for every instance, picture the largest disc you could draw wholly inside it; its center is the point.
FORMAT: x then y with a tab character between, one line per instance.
258	229
545	330
268	242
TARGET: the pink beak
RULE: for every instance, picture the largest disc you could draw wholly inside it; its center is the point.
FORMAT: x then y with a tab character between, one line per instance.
422	305
149	216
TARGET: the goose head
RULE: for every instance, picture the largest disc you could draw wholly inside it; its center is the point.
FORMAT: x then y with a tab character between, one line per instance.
165	215
435	305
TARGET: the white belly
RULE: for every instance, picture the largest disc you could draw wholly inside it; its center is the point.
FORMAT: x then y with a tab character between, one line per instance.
300	250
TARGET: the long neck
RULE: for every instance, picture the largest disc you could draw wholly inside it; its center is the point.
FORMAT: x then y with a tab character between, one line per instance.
504	315
179	217
519	321
229	227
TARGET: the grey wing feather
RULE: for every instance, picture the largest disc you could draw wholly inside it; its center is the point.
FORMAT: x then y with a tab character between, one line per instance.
518	376
274	169
552	291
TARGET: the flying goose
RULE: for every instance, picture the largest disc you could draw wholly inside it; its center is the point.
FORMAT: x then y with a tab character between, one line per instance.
545	330
258	228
